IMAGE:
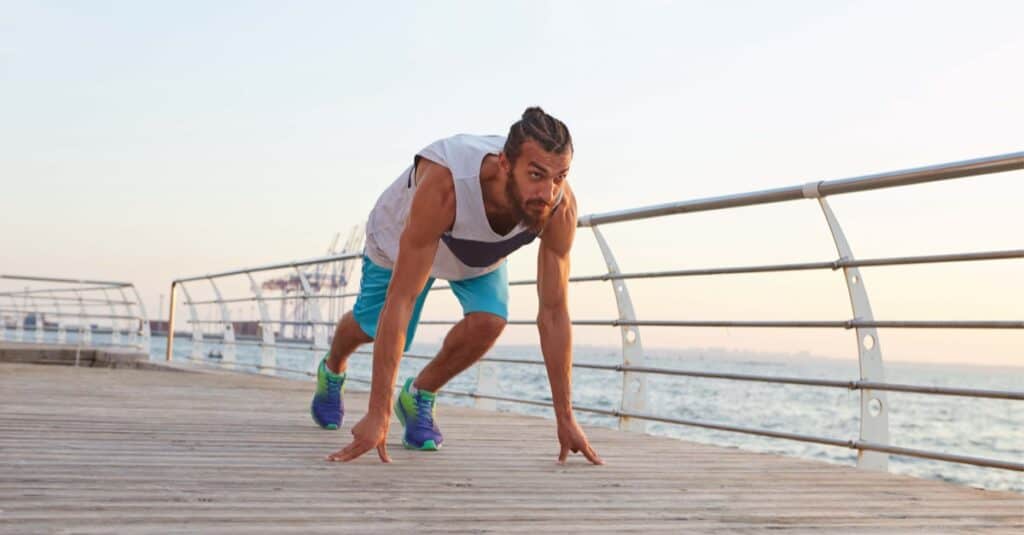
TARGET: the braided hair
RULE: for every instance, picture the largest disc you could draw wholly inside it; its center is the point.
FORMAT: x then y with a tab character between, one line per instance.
550	133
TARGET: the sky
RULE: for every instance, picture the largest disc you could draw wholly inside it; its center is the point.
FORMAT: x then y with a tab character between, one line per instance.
146	141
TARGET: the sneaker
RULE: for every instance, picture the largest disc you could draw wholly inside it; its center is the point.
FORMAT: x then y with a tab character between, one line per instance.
416	412
327	408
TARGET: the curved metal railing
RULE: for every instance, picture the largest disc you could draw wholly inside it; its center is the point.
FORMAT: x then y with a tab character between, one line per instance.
872	444
74	309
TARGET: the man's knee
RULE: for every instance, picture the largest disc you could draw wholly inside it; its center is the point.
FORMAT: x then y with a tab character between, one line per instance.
349	328
484	326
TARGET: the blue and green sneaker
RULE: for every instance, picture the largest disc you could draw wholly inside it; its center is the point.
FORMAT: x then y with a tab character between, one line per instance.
327	408
416	410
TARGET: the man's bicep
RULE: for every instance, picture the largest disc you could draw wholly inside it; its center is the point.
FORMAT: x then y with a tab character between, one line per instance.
431	214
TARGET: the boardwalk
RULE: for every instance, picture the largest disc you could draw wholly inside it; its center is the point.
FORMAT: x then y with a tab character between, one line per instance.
93	450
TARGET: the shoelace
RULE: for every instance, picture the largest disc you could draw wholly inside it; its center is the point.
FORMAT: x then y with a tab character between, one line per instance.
424	413
333	387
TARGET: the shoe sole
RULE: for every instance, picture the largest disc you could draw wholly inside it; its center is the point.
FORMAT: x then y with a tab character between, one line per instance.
427	446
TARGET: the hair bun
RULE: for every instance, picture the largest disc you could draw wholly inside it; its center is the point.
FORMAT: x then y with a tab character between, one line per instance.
533	110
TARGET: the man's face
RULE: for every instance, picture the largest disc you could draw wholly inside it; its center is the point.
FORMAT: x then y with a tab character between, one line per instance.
535	182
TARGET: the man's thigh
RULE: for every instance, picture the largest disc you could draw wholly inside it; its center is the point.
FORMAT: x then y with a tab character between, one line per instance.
373	291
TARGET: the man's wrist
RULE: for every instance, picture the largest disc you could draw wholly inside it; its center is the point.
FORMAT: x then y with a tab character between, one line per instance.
564	416
379	410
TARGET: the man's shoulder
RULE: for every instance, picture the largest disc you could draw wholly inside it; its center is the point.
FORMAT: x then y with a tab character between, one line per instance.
487	140
449	147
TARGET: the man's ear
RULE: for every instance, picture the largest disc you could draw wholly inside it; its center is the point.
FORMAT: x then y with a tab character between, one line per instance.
503	163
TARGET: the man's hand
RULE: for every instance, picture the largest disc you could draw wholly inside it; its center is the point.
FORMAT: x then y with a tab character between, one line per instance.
572	438
370	432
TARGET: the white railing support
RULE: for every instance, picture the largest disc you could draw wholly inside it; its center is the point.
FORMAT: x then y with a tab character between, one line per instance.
228	332
634	385
312	311
874	405
197	327
170	321
268	353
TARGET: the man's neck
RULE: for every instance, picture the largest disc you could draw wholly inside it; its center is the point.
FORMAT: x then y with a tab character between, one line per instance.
501	214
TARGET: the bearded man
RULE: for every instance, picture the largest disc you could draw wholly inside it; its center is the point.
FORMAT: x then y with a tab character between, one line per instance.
456	213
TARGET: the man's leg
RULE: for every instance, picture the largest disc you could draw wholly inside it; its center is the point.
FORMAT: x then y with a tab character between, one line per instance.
484	301
355	328
328	408
347	337
468	340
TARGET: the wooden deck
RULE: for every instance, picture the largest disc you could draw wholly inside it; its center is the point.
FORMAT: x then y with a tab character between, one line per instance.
91	450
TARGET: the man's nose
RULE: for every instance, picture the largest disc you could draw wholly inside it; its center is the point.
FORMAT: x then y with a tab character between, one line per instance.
546	193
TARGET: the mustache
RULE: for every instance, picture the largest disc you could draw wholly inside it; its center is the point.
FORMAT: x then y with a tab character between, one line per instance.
536	202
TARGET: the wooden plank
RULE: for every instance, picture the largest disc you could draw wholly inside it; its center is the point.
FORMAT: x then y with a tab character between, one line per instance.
95	450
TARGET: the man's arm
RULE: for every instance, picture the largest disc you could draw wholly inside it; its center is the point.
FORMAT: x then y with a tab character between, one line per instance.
555	327
432	213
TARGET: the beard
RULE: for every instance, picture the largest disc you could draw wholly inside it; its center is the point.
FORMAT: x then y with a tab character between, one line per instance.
535	221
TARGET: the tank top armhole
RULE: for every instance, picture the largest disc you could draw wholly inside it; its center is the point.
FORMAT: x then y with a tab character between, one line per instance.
411	182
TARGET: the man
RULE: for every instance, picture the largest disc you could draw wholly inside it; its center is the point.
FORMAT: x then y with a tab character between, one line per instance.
456	213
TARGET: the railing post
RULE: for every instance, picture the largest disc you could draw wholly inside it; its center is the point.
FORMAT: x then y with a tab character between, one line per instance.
634	385
115	328
37	316
228	340
197	328
144	325
312	310
17	318
84	327
268	353
19	325
170	321
874	405
61	335
133	328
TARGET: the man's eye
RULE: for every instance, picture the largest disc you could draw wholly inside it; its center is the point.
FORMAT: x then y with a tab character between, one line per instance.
534	174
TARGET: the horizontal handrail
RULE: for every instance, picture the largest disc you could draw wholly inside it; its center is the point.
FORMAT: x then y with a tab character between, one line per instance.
840	324
834	324
76	300
115	284
980	166
253	299
69	314
269	267
22	293
846	385
833	265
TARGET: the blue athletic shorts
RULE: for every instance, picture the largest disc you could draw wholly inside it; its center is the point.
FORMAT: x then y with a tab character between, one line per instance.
486	293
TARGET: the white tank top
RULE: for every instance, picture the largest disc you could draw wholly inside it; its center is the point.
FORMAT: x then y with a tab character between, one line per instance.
472	248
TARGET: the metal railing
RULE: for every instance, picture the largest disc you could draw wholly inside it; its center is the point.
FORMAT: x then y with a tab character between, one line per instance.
872	444
73	308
